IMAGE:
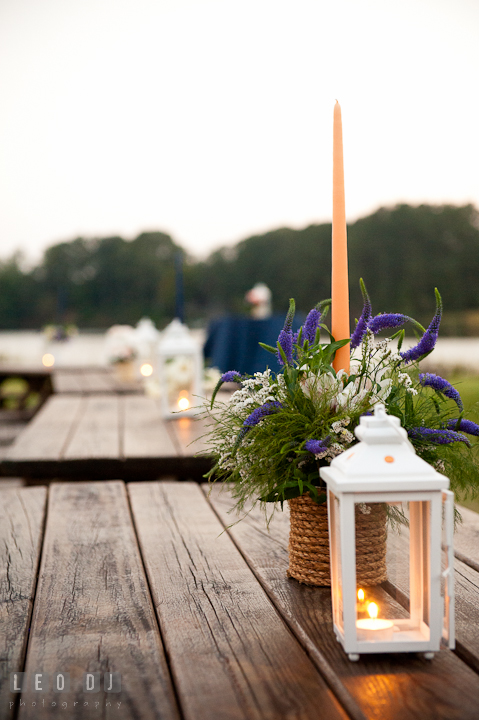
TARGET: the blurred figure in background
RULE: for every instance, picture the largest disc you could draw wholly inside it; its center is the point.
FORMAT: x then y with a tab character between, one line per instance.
259	297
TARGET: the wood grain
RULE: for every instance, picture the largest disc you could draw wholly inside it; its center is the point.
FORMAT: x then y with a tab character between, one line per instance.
97	434
188	434
22	513
145	432
67	382
46	435
93	610
385	687
466	598
466	537
231	655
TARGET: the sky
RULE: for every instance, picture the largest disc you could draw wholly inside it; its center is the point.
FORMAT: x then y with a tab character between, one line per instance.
212	120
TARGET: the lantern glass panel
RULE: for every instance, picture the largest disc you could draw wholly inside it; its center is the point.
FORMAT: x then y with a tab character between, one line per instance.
180	373
335	550
392	571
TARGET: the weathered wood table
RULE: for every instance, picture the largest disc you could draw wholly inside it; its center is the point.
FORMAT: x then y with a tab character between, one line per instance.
106	436
90	381
200	623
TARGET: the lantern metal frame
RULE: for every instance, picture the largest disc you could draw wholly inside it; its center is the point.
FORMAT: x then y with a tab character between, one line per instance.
176	342
384	468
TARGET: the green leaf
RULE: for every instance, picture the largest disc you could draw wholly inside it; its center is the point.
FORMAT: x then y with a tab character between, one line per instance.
269	348
215	391
283	356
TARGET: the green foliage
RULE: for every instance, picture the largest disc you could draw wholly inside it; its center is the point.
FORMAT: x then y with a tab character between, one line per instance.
270	438
401	252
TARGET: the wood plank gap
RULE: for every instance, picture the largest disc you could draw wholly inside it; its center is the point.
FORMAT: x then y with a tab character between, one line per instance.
160	631
73	427
16	708
466	560
26	614
343	696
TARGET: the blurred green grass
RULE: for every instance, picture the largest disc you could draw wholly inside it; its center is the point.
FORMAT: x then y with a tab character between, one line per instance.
468	387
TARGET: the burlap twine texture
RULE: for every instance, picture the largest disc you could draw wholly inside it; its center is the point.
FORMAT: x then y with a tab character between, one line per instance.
309	543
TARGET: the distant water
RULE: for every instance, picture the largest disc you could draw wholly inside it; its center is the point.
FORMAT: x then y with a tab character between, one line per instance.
26	348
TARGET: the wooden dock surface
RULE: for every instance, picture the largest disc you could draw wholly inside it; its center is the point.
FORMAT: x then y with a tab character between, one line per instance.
200	622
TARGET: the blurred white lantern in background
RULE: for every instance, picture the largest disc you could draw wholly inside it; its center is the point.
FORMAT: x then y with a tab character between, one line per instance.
413	609
120	351
180	369
146	342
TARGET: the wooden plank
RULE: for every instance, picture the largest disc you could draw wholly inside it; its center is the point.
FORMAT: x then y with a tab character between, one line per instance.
93	610
97	434
46	435
22	513
187	435
96	382
386	687
67	382
230	653
466	597
145	432
466	537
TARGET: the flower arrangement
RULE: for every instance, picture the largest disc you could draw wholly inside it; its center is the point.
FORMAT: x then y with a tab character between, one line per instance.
278	428
60	333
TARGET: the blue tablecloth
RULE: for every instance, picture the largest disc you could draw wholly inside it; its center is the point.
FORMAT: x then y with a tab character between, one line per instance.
232	343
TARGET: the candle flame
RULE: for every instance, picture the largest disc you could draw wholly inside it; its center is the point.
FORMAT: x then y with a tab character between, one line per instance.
48	360
146	370
373	610
361	594
183	402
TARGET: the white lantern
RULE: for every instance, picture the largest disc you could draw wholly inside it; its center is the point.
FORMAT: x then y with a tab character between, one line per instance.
412	610
180	368
146	341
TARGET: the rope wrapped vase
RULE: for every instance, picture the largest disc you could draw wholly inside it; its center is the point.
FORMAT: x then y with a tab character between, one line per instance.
309	543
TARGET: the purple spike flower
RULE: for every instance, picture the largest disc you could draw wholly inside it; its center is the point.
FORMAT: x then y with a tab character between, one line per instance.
261	412
441	385
311	325
231	376
437	437
428	341
362	325
467	426
386	320
317	446
285	338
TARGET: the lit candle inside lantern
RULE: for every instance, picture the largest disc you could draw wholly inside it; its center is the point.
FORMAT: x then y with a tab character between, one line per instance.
361	604
373	629
183	402
339	274
146	370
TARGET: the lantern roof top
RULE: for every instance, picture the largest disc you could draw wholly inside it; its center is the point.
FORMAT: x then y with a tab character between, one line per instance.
177	340
383	460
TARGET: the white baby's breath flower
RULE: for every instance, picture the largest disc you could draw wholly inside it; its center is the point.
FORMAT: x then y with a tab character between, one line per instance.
347	436
365	509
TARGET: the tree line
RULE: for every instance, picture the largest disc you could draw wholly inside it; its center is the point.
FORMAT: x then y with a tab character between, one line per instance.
402	253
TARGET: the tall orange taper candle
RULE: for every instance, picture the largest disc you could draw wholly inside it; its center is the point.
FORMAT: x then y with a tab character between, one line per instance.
339	274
